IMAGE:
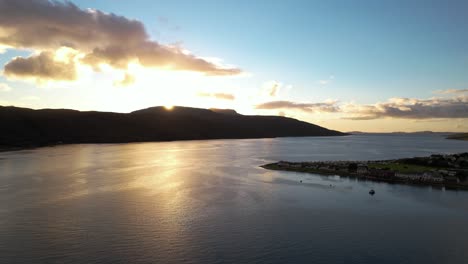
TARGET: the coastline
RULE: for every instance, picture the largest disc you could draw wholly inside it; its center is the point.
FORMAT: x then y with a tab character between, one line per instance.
460	136
442	177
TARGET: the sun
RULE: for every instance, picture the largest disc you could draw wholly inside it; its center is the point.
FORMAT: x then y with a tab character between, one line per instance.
168	107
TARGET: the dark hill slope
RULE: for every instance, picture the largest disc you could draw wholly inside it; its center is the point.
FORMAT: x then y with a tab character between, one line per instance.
22	127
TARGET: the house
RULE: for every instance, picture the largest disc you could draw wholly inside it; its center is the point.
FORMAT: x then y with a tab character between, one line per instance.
385	174
408	176
362	169
452	179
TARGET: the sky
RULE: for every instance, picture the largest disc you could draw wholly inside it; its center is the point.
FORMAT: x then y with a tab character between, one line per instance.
375	66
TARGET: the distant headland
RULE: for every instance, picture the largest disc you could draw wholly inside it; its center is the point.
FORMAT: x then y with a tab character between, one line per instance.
23	127
437	170
460	136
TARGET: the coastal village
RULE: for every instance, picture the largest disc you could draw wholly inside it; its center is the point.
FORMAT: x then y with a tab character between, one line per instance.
447	170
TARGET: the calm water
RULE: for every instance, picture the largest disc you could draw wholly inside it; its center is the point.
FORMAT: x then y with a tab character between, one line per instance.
209	202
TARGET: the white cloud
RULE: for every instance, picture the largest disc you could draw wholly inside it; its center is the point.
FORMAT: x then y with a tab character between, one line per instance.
327	81
101	38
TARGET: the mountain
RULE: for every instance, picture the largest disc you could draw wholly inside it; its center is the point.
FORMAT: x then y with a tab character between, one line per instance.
22	127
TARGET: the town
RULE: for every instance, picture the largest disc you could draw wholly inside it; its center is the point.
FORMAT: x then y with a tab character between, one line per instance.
442	170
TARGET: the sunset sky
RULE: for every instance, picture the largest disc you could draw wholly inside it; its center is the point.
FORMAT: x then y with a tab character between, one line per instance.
346	65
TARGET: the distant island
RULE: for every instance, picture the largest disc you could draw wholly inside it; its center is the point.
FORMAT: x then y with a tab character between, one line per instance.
22	127
416	133
460	136
436	170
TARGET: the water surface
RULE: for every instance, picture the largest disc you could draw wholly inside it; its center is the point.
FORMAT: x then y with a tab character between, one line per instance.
209	202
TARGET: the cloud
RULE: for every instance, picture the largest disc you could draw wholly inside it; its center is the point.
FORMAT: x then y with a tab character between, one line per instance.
451	91
325	107
221	96
399	108
152	54
4	87
100	37
127	80
408	108
42	67
326	81
271	88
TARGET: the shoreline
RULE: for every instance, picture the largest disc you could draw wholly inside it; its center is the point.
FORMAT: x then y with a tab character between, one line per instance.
389	171
354	176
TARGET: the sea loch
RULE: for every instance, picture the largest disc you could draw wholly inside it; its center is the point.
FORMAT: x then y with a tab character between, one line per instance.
210	202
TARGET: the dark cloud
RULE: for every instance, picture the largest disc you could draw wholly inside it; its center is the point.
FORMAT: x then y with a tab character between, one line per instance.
40	67
329	107
221	96
104	38
411	109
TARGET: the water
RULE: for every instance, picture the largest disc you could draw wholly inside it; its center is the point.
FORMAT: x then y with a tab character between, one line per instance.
209	202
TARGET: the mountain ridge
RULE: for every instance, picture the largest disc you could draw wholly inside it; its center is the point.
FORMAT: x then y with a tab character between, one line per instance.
24	127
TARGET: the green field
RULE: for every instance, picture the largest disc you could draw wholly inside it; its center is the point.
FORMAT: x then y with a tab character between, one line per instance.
399	167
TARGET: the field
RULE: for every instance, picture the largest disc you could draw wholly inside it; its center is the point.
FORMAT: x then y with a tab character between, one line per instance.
399	167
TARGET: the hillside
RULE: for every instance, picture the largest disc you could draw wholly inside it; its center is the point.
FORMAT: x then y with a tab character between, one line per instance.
22	127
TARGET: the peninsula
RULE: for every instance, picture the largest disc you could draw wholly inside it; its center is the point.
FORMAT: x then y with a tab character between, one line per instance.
23	127
437	170
460	136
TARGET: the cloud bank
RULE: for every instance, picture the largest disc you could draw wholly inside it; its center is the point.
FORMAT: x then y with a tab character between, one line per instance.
325	107
400	108
408	108
101	38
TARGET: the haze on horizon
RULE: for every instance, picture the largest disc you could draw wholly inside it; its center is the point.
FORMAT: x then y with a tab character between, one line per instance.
368	65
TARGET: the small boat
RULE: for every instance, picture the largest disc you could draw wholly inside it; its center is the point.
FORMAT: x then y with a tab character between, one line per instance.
372	192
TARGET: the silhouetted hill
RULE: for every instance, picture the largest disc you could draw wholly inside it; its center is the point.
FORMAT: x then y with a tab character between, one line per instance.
22	127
